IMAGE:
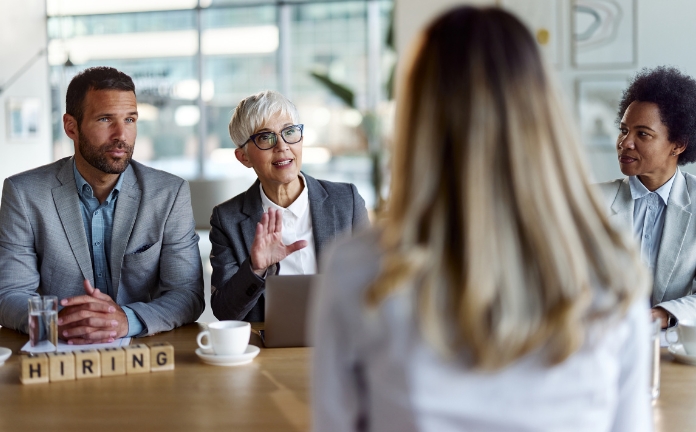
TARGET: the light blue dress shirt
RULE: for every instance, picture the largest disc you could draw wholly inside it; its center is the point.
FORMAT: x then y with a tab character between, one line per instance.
98	220
649	218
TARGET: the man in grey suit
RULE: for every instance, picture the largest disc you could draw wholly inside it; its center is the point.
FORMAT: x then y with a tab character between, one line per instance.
657	201
112	238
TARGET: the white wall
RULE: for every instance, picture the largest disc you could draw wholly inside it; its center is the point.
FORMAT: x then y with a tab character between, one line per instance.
665	35
412	15
22	35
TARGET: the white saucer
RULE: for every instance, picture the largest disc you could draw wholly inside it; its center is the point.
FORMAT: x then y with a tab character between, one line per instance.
5	353
678	352
229	360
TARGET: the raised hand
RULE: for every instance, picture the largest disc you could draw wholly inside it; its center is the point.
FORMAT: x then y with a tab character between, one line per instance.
268	248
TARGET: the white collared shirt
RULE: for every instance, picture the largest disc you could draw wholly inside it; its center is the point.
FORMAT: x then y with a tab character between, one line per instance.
297	225
649	217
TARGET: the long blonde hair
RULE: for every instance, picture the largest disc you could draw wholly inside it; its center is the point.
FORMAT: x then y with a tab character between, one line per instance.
491	213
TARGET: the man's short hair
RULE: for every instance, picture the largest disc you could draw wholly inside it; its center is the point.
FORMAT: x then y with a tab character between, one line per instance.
94	78
674	93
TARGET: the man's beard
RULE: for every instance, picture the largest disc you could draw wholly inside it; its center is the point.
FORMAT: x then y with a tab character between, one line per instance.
96	156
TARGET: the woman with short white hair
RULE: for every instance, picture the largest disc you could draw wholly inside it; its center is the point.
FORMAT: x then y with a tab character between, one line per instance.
283	221
495	295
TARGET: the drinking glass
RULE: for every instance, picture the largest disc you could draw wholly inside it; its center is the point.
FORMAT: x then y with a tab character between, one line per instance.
655	327
43	323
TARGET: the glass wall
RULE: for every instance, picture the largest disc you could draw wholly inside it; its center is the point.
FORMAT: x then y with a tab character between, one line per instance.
329	57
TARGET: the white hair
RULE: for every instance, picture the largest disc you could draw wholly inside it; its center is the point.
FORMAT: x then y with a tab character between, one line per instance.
253	111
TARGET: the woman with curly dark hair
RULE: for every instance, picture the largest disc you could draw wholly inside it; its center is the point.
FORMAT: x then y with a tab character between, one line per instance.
657	132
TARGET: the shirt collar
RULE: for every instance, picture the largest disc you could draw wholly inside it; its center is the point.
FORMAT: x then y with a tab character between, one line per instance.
297	208
82	184
638	189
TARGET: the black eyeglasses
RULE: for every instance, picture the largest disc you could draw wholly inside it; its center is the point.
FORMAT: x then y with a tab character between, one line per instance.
268	140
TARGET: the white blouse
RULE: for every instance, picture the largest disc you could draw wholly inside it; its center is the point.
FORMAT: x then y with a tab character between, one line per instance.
297	225
373	372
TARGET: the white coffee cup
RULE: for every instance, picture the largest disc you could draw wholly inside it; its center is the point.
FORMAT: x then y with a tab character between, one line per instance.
225	337
686	335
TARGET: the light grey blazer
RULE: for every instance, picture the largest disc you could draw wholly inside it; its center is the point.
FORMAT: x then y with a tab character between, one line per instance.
673	285
237	292
155	262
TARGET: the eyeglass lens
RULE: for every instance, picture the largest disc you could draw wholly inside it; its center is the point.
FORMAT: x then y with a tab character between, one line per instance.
291	135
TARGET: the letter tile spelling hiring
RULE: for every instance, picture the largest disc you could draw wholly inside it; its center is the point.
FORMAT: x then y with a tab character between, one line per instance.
87	364
34	369
62	366
137	359
161	357
113	361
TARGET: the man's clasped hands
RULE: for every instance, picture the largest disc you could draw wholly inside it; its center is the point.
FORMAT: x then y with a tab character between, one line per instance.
91	318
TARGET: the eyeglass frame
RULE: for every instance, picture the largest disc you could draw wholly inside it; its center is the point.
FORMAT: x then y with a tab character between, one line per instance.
252	138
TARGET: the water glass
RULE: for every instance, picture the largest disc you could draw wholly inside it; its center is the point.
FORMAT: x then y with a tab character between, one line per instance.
655	327
43	323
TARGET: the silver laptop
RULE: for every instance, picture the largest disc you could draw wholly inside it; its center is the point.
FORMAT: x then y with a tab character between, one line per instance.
287	301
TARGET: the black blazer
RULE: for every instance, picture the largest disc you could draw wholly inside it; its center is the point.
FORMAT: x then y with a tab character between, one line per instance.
237	292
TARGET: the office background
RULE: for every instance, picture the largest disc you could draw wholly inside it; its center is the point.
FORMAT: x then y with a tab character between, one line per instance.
250	45
333	58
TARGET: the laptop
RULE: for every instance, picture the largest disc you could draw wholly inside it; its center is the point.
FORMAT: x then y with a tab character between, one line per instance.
287	305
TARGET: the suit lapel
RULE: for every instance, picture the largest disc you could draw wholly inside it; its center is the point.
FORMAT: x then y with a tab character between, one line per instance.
253	208
677	219
621	214
67	204
125	213
324	215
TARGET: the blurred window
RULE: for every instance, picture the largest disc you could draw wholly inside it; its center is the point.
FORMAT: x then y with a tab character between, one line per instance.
315	52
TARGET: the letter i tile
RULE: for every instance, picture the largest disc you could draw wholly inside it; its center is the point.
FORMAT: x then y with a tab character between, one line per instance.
113	361
62	366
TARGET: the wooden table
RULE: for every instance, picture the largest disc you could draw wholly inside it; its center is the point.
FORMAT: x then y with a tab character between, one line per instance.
270	394
675	409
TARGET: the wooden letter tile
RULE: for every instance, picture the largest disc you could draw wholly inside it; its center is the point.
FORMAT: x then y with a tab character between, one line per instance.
161	357
137	359
62	366
34	369
113	361
87	364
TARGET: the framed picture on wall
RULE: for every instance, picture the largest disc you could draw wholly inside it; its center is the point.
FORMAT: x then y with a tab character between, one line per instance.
23	118
597	105
542	17
604	33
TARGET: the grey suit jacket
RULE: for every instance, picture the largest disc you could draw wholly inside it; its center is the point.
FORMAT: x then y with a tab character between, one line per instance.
237	292
44	250
673	284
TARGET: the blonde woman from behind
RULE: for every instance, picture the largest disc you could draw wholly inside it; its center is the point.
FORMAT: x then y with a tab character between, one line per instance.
495	296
